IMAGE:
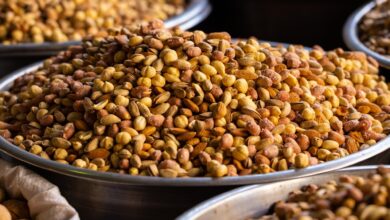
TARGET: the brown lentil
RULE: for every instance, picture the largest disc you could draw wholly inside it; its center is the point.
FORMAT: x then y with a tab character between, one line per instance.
166	108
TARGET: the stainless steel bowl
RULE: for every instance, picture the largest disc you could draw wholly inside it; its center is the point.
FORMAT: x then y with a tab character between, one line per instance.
195	12
256	200
351	37
123	196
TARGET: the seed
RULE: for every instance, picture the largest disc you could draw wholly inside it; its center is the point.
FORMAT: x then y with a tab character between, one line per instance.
241	85
156	120
170	56
183	156
194	51
168	173
216	169
98	153
226	141
123	138
290	129
282	165
158	81
330	145
271	151
60	154
36	149
228	80
60	143
220	110
199	76
181	121
301	160
332	80
308	114
135	161
121	100
79	163
139	123
35	90
208	69
92	145
240	153
110	119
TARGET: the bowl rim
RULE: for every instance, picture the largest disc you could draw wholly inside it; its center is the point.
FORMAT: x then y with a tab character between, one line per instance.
351	38
194	13
220	200
110	177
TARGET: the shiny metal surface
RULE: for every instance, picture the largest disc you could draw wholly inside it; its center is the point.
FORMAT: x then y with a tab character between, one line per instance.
117	196
195	12
351	38
254	201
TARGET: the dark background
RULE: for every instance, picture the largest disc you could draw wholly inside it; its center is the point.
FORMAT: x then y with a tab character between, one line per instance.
306	22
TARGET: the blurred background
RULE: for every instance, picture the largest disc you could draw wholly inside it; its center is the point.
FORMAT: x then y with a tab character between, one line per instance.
307	22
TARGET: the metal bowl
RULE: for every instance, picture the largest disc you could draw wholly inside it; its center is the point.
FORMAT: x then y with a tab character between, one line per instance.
68	170
195	12
351	37
119	196
235	204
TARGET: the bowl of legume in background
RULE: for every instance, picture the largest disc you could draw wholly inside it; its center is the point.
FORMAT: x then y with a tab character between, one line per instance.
33	30
368	30
351	193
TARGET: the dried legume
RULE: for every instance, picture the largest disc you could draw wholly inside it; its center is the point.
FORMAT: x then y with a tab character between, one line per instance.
375	28
195	104
351	197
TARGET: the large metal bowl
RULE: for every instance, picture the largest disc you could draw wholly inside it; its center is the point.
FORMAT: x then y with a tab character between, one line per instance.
351	35
195	12
23	155
123	196
256	200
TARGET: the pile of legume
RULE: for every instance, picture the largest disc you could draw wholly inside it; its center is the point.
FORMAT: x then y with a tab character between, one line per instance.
174	103
63	20
375	28
352	198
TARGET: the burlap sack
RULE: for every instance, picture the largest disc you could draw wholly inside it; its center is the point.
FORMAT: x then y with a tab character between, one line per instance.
44	199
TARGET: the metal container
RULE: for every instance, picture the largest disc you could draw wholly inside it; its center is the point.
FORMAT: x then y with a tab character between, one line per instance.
112	195
256	200
13	57
351	37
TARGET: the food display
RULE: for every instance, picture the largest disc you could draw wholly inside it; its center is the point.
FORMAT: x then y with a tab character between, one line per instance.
31	21
12	208
375	28
351	197
172	103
